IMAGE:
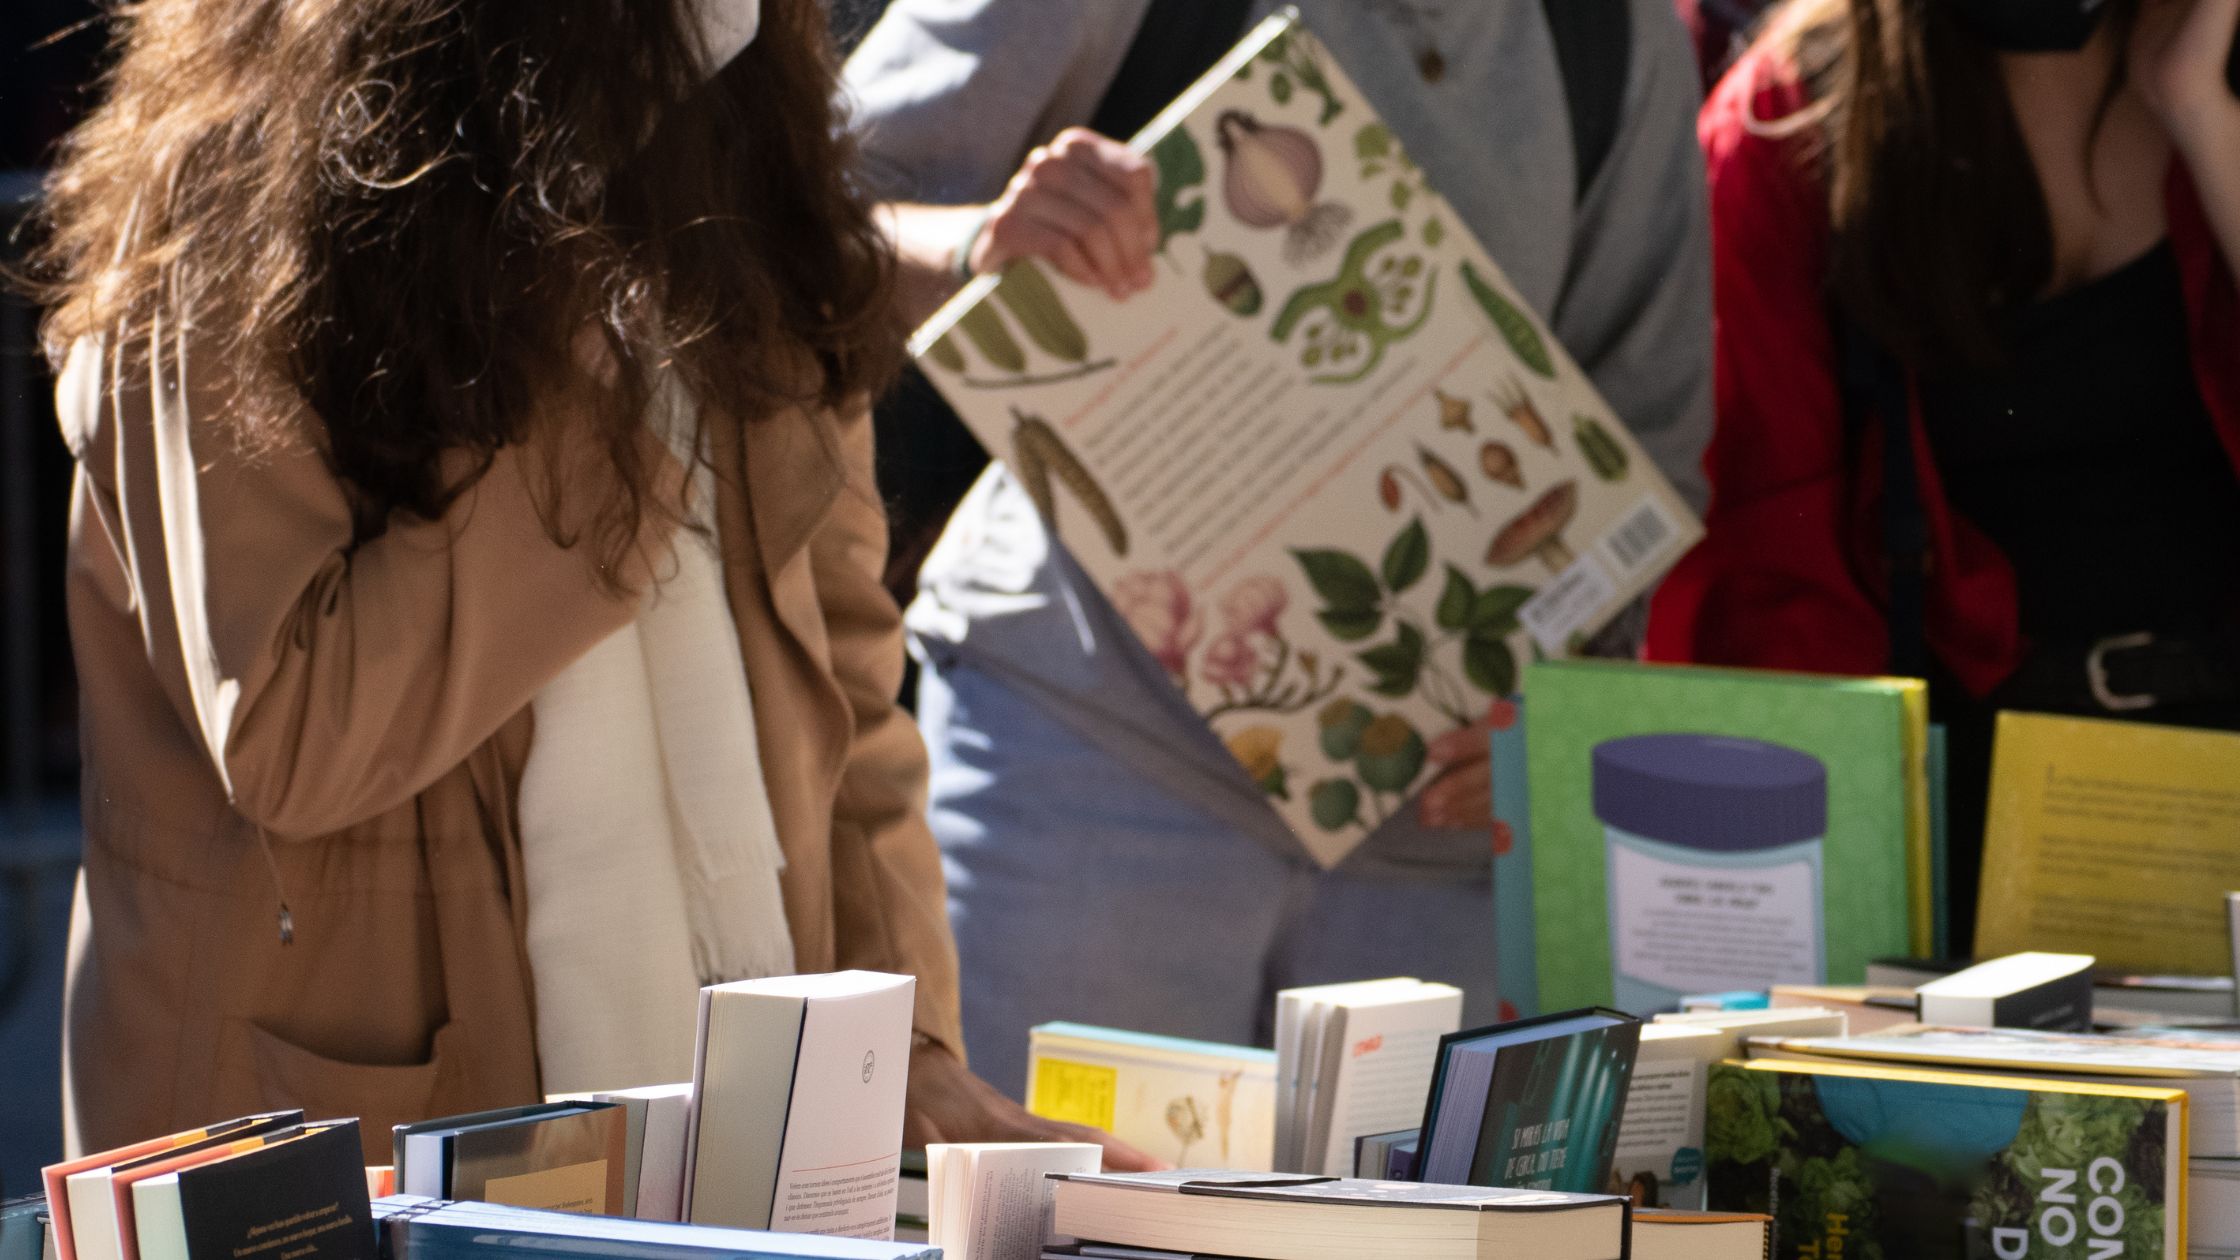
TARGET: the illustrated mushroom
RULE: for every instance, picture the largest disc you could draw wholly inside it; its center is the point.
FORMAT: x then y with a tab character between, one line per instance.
1538	531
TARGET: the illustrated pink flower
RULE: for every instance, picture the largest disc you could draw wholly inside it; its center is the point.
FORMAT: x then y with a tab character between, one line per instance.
1253	605
1156	605
1231	661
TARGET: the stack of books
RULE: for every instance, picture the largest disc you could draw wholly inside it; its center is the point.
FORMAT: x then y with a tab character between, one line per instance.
248	1187
413	1228
1354	1060
1201	1213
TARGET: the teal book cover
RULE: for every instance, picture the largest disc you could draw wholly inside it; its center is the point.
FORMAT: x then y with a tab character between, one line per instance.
1875	1163
1552	1114
1700	830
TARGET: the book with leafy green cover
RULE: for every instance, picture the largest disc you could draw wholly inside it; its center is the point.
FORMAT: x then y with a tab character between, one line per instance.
1883	1163
1697	830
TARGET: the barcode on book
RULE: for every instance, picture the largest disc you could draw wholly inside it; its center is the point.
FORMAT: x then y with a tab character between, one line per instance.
1568	605
1639	537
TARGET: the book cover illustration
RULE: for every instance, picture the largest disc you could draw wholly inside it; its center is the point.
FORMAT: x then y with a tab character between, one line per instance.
1332	470
1194	1104
1892	1165
1553	1113
1699	830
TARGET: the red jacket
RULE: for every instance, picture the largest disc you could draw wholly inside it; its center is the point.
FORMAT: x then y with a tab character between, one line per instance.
1789	573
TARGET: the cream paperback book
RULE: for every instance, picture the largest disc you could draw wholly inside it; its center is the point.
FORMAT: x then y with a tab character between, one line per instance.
1330	467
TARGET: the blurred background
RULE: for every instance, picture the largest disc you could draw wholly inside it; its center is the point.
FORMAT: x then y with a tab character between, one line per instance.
46	54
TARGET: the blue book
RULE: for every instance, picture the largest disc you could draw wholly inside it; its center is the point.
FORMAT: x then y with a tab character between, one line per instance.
413	1228
23	1228
1516	973
1530	1105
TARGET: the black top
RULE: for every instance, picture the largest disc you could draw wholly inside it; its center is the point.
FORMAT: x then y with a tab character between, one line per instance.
2093	462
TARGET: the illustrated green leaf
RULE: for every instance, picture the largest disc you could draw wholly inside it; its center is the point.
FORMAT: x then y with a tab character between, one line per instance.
1397	664
1344	583
1407	558
1279	87
1372	141
1182	169
1456	601
1489	664
1495	610
1335	804
1402	195
1433	232
1351	625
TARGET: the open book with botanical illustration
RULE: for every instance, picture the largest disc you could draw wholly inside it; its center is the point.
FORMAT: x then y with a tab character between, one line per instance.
1330	467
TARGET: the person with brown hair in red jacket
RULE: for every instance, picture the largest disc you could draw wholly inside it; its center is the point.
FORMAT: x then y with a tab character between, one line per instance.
2010	227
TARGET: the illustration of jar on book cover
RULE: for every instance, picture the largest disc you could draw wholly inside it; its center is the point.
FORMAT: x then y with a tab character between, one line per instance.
1715	848
1334	471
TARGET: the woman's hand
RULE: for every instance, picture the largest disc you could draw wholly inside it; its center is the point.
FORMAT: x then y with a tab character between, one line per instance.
1084	204
2179	58
1461	795
947	1103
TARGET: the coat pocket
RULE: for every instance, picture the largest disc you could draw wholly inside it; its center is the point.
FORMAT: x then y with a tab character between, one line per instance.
380	1095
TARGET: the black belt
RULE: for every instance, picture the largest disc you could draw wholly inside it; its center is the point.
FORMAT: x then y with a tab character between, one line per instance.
2127	674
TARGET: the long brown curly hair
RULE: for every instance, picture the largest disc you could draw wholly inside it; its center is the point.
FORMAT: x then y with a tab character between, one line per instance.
405	213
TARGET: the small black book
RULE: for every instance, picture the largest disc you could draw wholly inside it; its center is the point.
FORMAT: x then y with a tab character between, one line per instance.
299	1197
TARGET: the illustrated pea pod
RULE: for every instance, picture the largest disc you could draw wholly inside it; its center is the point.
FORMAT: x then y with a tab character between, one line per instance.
1602	452
1027	294
1516	328
944	352
984	328
1039	454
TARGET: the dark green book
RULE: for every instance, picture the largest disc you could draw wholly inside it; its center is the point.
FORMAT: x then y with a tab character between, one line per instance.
1529	1105
1870	1162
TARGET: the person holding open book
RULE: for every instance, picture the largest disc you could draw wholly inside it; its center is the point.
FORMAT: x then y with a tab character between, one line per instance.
473	565
1979	364
1110	861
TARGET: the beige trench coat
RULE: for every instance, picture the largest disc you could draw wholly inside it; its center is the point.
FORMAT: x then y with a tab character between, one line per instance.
243	666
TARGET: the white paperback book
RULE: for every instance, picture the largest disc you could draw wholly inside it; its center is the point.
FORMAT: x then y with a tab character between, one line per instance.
655	1152
796	1116
1364	1053
992	1200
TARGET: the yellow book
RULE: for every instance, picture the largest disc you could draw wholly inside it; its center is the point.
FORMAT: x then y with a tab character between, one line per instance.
2114	839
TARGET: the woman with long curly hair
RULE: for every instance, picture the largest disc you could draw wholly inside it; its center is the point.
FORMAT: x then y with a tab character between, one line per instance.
1978	354
474	566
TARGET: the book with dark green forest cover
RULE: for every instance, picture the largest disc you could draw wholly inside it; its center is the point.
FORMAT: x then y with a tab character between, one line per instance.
1877	1163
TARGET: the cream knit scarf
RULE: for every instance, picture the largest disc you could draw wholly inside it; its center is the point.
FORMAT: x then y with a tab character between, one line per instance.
651	854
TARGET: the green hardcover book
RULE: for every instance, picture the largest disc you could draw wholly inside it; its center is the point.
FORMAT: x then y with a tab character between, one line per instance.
1699	830
1869	1162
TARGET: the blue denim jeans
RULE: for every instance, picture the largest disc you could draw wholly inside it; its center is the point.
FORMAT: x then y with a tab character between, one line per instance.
1082	890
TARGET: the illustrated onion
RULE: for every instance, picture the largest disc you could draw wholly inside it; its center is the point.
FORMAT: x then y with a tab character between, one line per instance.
1273	175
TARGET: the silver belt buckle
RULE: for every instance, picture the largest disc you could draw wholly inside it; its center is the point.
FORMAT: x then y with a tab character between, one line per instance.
2096	673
